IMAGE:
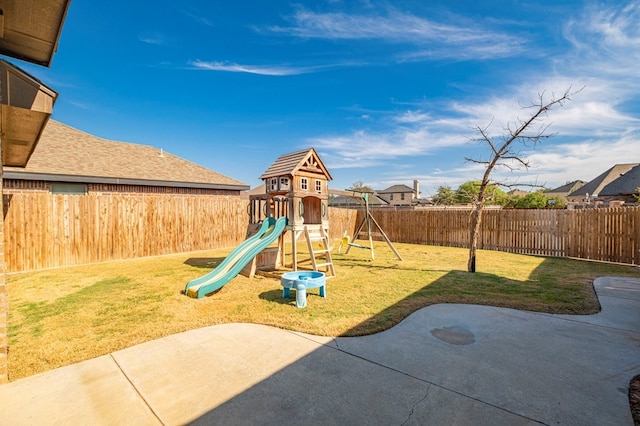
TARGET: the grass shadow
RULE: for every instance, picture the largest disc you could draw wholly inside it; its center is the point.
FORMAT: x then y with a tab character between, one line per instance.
539	293
276	296
204	262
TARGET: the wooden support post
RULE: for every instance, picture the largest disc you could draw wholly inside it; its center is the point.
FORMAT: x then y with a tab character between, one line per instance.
385	237
367	219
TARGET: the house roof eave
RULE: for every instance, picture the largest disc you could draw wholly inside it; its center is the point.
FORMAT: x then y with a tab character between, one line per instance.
119	181
31	30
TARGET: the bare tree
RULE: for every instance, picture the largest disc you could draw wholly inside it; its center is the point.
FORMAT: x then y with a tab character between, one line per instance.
504	154
360	187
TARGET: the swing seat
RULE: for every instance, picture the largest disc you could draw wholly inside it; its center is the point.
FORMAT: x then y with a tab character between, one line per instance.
358	246
345	242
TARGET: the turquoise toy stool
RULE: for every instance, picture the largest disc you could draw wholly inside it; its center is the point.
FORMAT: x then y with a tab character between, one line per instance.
300	281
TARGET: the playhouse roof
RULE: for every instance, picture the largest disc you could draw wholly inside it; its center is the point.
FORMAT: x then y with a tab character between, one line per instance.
290	164
65	154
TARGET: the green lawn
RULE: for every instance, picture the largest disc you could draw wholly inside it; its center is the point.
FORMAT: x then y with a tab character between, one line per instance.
62	316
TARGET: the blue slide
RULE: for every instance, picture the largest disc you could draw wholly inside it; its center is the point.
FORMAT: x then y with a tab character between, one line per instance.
237	259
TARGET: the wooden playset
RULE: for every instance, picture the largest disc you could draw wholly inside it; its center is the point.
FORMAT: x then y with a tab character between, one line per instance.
296	186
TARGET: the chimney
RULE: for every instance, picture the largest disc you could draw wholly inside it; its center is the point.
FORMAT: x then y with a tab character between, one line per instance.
416	188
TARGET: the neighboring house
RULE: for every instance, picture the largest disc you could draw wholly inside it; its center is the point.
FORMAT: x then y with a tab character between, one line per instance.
564	190
623	189
354	200
393	196
617	185
518	192
67	160
398	195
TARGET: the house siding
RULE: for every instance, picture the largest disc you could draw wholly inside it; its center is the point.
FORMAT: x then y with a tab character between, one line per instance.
395	199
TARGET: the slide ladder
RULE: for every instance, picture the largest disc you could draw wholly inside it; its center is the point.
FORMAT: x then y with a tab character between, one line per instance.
320	257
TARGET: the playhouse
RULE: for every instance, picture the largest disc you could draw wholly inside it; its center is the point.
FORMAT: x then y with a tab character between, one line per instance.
296	186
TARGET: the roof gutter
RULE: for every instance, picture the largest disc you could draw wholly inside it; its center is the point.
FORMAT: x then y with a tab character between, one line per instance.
120	181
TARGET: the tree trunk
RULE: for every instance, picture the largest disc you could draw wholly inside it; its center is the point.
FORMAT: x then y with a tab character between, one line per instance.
473	241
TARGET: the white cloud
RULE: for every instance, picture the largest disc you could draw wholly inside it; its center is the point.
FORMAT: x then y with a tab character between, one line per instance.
593	131
200	19
593	118
615	27
412	117
606	43
422	38
156	39
367	149
251	69
272	70
80	105
460	41
585	160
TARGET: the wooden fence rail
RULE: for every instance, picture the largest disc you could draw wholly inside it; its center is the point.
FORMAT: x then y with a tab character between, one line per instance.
45	230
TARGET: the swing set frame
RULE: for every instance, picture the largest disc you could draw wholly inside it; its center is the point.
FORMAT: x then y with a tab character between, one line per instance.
367	220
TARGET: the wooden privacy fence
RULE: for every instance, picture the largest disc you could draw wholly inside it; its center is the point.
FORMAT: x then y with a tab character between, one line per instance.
605	234
44	230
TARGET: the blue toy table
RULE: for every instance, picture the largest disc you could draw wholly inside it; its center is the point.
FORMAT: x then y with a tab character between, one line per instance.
300	281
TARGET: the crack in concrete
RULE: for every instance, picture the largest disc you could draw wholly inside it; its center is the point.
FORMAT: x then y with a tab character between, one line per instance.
413	407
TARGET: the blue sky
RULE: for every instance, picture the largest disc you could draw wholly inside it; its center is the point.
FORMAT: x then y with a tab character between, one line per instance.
386	91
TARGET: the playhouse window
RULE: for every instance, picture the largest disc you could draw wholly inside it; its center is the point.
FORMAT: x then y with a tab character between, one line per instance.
284	183
318	185
304	184
273	184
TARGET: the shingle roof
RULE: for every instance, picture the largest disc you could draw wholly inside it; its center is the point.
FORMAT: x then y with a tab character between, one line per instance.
396	189
626	183
67	154
595	186
290	164
566	188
